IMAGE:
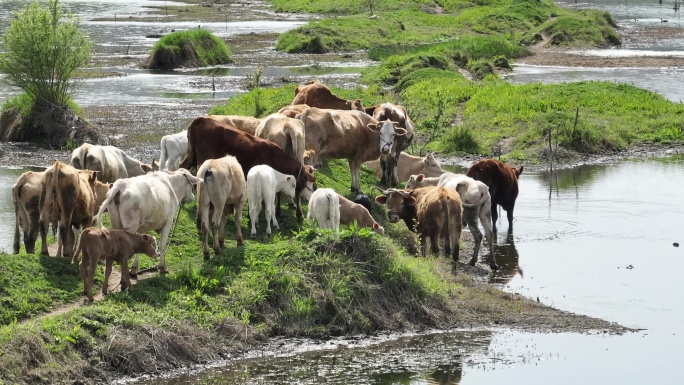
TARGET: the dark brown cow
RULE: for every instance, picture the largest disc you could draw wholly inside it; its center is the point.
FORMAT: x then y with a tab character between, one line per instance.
433	212
502	181
315	94
112	245
208	139
389	162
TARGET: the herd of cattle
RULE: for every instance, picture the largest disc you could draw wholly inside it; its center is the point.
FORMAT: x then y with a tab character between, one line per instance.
240	159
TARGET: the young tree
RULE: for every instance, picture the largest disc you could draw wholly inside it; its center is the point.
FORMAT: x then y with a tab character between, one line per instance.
372	4
40	52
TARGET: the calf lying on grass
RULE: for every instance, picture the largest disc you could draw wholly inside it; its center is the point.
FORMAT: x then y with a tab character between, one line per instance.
112	245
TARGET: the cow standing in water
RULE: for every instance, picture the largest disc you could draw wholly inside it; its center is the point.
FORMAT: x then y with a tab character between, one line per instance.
502	181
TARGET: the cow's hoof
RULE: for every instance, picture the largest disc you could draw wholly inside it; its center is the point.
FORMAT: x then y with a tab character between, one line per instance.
254	236
163	271
494	266
240	242
45	253
206	256
133	275
221	245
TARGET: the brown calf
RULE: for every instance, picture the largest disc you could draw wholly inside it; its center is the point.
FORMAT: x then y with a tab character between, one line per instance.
502	181
432	212
315	94
112	245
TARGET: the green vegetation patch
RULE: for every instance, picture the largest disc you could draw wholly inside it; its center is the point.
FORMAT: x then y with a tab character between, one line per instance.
192	48
579	28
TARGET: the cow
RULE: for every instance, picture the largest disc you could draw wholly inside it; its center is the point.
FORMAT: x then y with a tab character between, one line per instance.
173	148
351	135
351	212
209	139
291	111
324	208
263	182
67	198
476	202
389	161
110	162
148	202
223	188
315	94
288	133
432	212
410	165
246	124
26	198
110	245
502	181
364	200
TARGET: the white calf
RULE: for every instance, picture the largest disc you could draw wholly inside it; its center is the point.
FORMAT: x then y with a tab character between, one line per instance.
223	188
263	182
173	148
324	207
148	202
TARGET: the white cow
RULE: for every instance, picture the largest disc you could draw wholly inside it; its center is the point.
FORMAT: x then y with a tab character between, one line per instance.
110	162
263	182
148	202
324	208
288	133
476	201
173	148
223	187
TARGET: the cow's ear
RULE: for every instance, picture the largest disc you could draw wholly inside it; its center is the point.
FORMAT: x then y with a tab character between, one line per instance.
146	168
410	201
93	177
400	131
146	237
288	178
381	199
373	126
376	226
110	185
420	178
519	171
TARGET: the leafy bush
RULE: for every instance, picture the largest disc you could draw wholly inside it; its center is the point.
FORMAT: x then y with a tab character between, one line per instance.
192	48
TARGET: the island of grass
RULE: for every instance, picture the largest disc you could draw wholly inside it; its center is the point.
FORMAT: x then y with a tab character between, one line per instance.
190	48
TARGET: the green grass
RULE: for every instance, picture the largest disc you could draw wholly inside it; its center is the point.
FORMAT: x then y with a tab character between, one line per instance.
208	48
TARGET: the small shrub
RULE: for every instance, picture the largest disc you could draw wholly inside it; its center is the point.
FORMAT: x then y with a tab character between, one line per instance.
194	48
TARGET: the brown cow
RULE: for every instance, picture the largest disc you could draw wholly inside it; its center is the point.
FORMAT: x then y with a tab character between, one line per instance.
351	135
112	245
433	212
67	198
351	212
390	161
291	111
315	94
209	139
502	181
246	124
26	197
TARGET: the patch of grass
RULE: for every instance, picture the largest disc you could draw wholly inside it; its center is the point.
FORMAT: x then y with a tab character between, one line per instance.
580	29
190	48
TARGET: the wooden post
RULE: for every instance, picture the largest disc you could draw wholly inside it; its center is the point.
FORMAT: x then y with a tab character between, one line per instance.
550	148
128	48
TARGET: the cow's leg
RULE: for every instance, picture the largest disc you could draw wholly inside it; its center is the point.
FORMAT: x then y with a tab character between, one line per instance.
228	210
495	214
203	211
434	244
16	246
298	203
485	219
471	217
454	237
355	169
125	277
216	223
83	268
32	235
509	214
91	274
130	221
393	166
254	210
278	211
43	237
383	170
269	212
238	221
423	244
164	237
108	272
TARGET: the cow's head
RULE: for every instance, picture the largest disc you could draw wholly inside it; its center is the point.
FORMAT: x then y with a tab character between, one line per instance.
154	166
309	157
396	201
150	246
414	181
183	187
378	229
388	131
355	105
431	164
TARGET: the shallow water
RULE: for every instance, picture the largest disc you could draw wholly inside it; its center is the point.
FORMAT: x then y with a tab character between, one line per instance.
595	240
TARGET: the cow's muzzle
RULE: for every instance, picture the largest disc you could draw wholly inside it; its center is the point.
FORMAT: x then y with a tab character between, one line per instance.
393	216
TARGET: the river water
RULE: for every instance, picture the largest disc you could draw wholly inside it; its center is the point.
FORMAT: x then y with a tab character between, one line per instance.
596	240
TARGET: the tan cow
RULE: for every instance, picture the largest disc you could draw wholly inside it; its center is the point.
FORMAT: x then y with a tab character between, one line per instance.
351	135
26	198
66	198
432	212
110	162
315	94
477	206
288	133
410	165
111	245
351	212
223	186
291	111
246	124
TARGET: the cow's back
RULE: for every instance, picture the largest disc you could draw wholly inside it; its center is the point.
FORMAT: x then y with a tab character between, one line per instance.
152	194
341	134
246	124
501	179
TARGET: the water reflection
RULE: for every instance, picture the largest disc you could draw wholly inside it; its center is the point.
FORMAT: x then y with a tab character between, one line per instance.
508	259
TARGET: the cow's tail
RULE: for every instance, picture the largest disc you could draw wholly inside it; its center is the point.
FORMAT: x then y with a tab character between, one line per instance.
446	233
118	188
258	197
16	195
163	156
74	258
55	191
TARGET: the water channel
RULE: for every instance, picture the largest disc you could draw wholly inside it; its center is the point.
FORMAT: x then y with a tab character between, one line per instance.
596	240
